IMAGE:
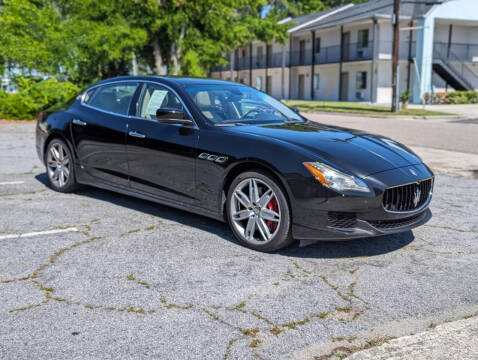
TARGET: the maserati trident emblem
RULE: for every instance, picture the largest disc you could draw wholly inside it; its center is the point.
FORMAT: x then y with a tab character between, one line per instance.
417	196
413	172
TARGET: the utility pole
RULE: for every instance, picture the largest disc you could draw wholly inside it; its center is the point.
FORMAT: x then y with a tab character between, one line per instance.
396	39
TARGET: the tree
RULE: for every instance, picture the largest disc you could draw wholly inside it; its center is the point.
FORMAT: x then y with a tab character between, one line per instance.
83	40
194	34
25	26
88	40
305	7
101	36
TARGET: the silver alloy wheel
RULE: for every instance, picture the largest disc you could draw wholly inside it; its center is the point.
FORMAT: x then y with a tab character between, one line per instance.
250	211
58	165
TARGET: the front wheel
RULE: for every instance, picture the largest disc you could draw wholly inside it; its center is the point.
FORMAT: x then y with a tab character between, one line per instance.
258	212
60	167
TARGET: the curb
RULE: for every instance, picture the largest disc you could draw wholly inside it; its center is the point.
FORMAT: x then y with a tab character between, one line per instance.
398	117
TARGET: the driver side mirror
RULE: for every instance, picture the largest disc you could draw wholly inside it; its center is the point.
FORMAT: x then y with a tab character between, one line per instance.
295	109
172	116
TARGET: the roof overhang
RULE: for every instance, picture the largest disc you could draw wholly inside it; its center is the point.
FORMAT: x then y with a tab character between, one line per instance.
318	18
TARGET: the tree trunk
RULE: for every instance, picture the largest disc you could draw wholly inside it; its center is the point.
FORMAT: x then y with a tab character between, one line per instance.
158	59
176	52
134	65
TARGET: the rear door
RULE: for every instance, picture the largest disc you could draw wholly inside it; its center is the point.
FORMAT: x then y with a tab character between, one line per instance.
99	132
161	156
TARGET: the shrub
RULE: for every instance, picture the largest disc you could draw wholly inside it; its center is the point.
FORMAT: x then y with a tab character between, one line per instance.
463	97
33	97
405	96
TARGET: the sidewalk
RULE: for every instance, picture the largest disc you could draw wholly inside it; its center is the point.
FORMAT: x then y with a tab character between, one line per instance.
455	340
452	135
449	162
466	110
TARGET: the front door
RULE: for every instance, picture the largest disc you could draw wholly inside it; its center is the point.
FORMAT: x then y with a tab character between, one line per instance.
345	46
344	86
99	133
301	86
302	52
161	156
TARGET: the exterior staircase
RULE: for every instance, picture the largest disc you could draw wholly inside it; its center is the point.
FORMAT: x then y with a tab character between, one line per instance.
452	69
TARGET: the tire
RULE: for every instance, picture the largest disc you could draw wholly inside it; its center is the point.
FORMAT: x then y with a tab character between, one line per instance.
252	221
60	167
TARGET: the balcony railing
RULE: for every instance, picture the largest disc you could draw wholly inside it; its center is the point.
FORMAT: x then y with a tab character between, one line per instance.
299	58
459	52
333	54
328	55
357	51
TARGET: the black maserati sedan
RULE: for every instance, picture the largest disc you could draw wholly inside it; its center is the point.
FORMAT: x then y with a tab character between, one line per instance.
232	153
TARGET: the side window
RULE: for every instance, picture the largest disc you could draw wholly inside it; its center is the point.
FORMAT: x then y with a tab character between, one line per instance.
154	97
88	96
114	98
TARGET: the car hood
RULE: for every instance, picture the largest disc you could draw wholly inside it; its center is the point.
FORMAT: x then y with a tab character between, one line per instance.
354	151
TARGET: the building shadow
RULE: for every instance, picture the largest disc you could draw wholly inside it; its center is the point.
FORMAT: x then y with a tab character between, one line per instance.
319	250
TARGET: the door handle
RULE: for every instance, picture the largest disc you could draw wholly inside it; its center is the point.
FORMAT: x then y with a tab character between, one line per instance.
78	122
136	134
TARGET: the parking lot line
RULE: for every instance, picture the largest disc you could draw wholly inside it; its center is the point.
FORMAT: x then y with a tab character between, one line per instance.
37	233
12	183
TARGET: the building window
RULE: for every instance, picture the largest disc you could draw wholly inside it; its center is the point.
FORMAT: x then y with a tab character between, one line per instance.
260	53
243	52
363	38
316	81
361	80
317	45
259	83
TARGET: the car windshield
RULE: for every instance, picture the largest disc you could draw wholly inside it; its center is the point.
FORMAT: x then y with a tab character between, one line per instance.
229	104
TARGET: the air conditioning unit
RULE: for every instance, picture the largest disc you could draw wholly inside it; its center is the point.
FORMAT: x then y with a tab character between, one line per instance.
360	53
359	95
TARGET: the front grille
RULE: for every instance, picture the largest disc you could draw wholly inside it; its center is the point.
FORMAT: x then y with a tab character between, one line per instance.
342	220
407	197
392	224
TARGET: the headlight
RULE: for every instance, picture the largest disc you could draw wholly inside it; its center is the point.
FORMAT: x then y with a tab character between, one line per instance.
335	179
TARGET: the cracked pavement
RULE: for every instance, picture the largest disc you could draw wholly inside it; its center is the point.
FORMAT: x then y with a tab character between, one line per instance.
118	277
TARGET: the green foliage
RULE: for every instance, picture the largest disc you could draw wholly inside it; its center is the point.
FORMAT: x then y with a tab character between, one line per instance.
204	31
305	7
89	40
462	97
30	33
34	96
405	96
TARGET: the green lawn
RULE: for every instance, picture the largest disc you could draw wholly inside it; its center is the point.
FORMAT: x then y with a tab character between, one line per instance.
357	108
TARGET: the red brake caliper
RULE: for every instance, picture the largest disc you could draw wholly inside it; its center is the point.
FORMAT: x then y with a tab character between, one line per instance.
272	205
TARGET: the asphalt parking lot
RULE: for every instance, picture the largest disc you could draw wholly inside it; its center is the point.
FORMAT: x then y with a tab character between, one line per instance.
96	275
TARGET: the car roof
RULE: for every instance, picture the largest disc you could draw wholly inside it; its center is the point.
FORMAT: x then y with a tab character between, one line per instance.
169	80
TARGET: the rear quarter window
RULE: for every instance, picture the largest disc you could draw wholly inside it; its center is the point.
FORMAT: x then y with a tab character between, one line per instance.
114	98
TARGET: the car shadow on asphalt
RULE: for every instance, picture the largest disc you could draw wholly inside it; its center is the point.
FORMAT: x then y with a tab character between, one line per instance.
322	249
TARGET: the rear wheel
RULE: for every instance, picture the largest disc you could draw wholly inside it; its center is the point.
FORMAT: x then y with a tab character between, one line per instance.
258	212
60	167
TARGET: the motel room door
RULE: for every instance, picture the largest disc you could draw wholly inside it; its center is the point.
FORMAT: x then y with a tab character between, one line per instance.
344	86
301	86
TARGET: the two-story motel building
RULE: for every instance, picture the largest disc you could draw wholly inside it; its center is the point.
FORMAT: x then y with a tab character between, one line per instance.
345	53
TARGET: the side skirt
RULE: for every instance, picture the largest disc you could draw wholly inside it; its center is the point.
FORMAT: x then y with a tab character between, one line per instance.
130	192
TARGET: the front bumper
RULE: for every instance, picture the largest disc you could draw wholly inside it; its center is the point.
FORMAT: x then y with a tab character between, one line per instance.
362	228
313	218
